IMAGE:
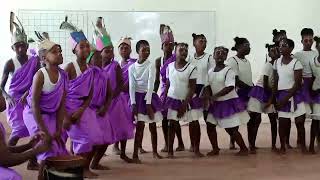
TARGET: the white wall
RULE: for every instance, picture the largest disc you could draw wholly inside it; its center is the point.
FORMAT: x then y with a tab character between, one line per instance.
254	19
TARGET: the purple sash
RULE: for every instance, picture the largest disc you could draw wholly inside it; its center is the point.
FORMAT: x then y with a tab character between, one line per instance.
227	108
49	105
297	99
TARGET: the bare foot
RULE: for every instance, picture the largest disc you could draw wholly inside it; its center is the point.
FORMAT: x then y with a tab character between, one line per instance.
253	150
89	174
242	153
116	150
180	148
157	156
164	149
232	147
170	156
312	151
304	150
142	151
136	161
99	167
191	149
274	149
214	152
32	165
282	151
126	159
198	155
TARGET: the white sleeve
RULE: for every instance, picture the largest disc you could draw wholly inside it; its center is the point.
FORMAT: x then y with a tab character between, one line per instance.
132	85
232	62
151	80
230	78
267	69
297	66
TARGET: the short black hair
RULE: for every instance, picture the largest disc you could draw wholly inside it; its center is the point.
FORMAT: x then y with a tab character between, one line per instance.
180	44
198	36
140	43
277	33
221	47
290	42
317	39
238	41
269	46
307	32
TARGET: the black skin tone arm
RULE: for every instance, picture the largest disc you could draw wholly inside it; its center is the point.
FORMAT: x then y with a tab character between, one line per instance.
241	84
157	81
119	80
8	68
108	100
11	156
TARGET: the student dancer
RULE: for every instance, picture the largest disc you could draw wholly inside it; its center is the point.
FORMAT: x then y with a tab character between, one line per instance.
181	86
167	46
241	66
83	130
119	113
45	108
261	94
22	69
124	48
100	102
201	60
146	105
306	56
287	89
315	95
226	108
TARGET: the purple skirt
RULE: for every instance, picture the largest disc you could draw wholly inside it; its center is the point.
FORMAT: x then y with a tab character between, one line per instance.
244	94
173	104
260	94
224	109
9	174
120	117
142	106
306	90
297	99
197	102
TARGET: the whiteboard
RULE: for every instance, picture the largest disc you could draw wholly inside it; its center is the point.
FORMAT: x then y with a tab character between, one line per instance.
138	25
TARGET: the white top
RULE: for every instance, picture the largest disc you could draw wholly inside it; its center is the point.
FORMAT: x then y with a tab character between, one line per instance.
17	65
267	70
179	80
202	64
141	79
77	68
219	80
305	57
315	68
242	69
286	73
48	86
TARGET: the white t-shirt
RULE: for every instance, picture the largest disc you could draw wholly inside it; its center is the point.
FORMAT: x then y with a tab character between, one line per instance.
219	80
202	64
286	73
267	70
242	69
179	80
141	79
305	57
315	68
48	86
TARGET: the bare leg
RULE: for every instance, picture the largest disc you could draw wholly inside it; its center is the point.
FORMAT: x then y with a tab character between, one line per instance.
165	134
154	140
116	149
196	138
283	132
235	134
179	136
138	141
87	173
95	164
212	134
273	122
301	132
123	155
172	129
313	134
